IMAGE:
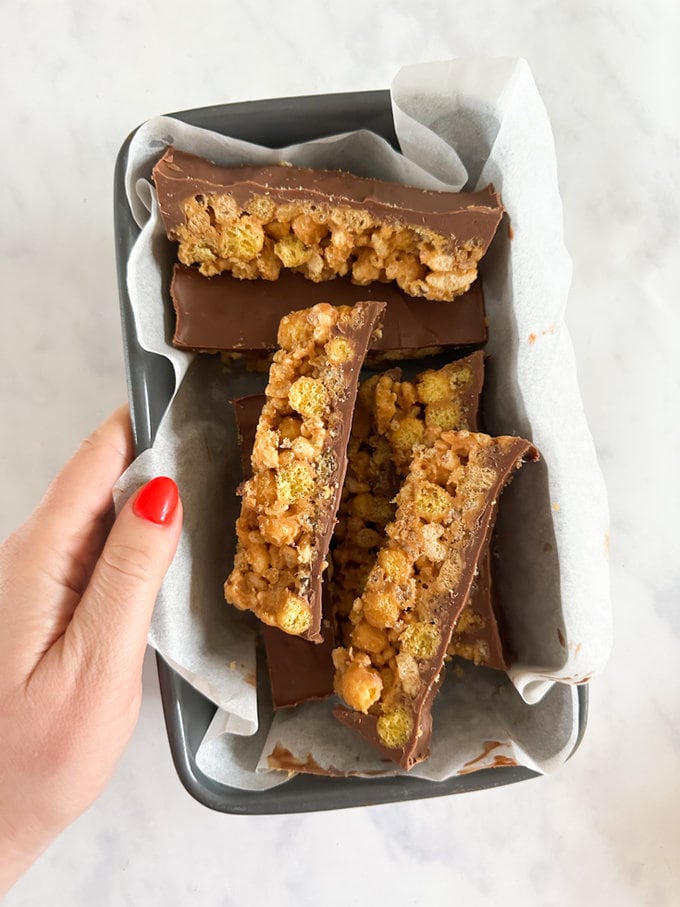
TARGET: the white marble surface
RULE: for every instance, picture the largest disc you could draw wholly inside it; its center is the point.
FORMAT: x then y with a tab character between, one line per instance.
74	79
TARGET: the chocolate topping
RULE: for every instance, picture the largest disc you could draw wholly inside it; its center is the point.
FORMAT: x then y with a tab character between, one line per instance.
465	215
298	670
372	313
225	314
246	413
481	639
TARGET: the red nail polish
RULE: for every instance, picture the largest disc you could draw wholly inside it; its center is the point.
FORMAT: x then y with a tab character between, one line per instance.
157	501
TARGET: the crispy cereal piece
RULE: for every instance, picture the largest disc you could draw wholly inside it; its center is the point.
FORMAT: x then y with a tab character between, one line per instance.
254	221
298	462
403	621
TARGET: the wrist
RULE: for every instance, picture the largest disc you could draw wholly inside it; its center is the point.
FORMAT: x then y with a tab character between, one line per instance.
21	844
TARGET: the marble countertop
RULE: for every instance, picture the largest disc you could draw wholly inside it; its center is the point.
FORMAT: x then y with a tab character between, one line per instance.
75	80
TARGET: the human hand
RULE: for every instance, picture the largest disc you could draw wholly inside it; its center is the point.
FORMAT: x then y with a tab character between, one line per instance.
76	595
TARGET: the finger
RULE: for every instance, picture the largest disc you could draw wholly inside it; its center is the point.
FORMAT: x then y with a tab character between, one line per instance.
107	634
80	496
66	532
48	561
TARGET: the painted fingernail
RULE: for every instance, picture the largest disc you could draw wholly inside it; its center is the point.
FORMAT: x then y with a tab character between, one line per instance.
157	501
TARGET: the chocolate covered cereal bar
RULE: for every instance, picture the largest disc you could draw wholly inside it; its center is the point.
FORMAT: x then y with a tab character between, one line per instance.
391	418
289	504
404	618
256	221
299	671
409	413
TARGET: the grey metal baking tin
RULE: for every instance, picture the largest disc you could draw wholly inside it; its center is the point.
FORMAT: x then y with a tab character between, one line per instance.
274	123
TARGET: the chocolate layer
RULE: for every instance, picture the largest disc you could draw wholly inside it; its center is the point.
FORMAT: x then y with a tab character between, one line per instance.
225	314
372	314
468	216
246	413
478	635
509	453
298	670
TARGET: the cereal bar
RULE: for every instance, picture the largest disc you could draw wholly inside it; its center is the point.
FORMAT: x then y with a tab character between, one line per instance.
449	398
289	504
255	221
299	671
392	416
403	620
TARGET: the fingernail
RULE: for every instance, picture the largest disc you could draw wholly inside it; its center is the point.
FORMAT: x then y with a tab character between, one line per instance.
157	501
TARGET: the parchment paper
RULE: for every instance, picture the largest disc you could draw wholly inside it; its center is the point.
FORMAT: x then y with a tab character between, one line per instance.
460	124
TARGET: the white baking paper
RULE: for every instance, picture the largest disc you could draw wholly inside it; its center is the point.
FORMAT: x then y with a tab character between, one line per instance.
460	124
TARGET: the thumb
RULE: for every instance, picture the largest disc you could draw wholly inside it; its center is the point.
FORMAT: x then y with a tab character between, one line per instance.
110	624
